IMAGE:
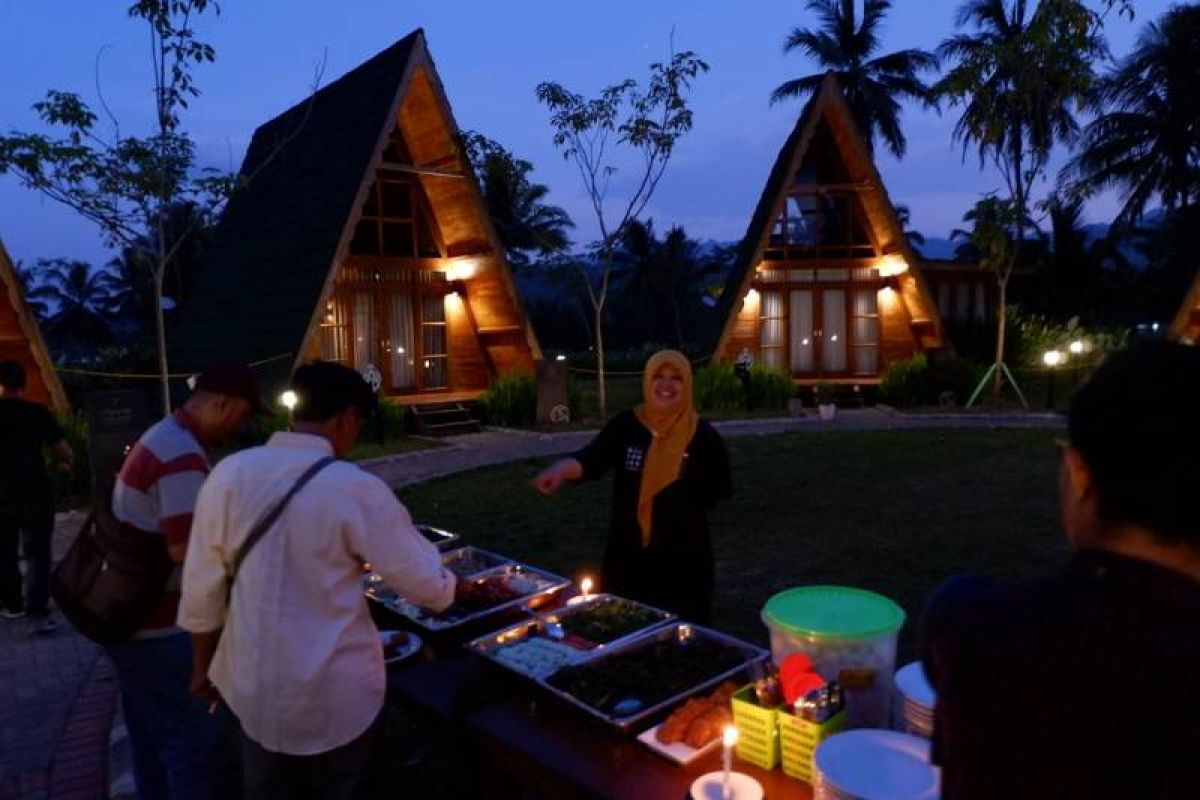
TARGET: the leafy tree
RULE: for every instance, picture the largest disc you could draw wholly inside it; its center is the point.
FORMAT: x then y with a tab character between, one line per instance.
648	122
524	223
1015	76
874	84
127	184
1146	141
80	301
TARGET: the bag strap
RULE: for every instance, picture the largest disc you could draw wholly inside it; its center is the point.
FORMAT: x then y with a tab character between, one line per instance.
266	522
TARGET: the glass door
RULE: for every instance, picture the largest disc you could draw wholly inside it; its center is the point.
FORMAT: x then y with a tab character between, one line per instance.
803	333
401	353
434	344
833	331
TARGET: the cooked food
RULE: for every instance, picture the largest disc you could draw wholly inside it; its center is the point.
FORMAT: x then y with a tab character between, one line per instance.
696	720
650	673
675	727
708	726
469	561
604	621
538	657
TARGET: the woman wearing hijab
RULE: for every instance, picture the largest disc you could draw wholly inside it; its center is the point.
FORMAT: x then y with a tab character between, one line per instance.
670	467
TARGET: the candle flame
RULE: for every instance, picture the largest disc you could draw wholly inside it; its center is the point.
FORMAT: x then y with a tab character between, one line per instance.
731	735
586	585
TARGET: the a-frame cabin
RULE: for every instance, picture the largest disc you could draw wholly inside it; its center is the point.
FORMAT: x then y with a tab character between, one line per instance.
825	285
21	341
1186	326
360	236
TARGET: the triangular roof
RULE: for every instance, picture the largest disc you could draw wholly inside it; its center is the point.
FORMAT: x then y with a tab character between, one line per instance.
306	174
21	340
1187	322
829	104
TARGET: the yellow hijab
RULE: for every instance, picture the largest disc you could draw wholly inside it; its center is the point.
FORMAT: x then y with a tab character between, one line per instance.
671	430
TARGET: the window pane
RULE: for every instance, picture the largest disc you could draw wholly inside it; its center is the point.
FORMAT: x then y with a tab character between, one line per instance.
434	308
981	309
396	199
366	238
800	275
435	373
371	207
398	239
833	275
963	309
943	300
866	360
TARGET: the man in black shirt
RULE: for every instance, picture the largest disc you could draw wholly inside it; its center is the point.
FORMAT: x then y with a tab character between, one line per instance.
1087	684
26	500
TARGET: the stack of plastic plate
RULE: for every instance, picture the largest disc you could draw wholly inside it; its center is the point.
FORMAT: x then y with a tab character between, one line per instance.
872	764
914	701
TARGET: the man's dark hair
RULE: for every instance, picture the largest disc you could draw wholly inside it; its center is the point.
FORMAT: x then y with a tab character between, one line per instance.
325	389
1137	425
12	375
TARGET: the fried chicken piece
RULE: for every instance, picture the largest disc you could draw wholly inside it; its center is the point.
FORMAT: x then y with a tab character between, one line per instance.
676	726
708	726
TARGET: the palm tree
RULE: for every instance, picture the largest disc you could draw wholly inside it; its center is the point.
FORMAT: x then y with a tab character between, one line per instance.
524	223
1147	141
83	302
916	239
874	84
1016	75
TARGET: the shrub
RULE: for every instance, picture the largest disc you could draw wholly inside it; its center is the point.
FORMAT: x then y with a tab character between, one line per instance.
770	387
390	419
824	392
716	388
951	376
78	483
510	400
574	398
906	383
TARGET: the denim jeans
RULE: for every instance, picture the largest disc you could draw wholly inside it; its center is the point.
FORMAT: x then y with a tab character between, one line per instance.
30	521
176	744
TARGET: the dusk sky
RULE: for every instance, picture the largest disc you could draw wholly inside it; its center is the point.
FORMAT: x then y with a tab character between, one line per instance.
490	56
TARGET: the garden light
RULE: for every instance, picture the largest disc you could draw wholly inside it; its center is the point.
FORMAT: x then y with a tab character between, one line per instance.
1052	358
1076	347
288	399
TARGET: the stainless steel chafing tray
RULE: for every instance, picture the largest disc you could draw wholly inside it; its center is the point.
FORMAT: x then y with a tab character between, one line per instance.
541	584
443	539
682	634
556	647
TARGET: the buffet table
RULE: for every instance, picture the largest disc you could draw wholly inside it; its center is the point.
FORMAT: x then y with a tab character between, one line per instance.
520	739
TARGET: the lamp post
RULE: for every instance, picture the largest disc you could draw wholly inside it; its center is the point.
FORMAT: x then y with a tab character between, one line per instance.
1051	358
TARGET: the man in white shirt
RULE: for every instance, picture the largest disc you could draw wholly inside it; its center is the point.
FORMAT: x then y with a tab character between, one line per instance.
295	654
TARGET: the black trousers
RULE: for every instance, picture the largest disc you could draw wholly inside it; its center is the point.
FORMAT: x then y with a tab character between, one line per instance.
32	518
347	773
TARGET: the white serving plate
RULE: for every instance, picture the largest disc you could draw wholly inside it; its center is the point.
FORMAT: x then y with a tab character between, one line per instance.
679	752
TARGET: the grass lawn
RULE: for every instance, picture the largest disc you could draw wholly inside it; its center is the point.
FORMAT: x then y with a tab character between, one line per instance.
895	512
369	448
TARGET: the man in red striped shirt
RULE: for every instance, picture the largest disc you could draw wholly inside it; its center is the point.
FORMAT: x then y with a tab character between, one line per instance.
173	739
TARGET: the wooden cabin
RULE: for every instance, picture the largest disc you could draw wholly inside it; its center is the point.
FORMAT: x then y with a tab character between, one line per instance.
21	341
965	293
360	236
1186	326
826	286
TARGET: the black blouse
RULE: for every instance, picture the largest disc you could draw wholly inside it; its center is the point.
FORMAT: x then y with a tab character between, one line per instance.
675	570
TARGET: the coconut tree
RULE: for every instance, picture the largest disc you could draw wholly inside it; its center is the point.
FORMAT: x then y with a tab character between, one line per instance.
523	221
874	83
82	301
1146	141
916	239
1017	74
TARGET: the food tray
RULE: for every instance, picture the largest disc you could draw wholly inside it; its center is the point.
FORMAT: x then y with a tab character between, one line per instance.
443	539
552	653
676	634
541	584
468	562
657	616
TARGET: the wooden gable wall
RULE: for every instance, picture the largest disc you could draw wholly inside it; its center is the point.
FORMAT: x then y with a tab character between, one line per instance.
21	341
1186	326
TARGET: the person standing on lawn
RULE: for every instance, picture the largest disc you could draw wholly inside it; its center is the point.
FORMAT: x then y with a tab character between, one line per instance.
670	468
291	646
1087	684
26	499
175	742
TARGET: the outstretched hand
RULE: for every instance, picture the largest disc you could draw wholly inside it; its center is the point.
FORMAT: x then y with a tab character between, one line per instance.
547	481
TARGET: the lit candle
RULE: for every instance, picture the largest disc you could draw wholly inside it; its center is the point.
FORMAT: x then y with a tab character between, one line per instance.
730	739
586	586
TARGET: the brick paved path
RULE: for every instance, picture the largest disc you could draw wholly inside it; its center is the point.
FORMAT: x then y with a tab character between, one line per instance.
41	680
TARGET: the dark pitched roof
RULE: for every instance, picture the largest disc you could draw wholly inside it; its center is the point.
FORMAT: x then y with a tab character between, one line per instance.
277	240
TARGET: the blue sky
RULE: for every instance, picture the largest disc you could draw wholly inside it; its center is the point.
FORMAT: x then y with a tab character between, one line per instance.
490	56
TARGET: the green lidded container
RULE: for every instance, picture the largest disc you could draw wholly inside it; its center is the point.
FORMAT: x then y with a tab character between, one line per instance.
849	635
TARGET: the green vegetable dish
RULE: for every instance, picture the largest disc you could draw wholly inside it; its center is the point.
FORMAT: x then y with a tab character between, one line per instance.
609	620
